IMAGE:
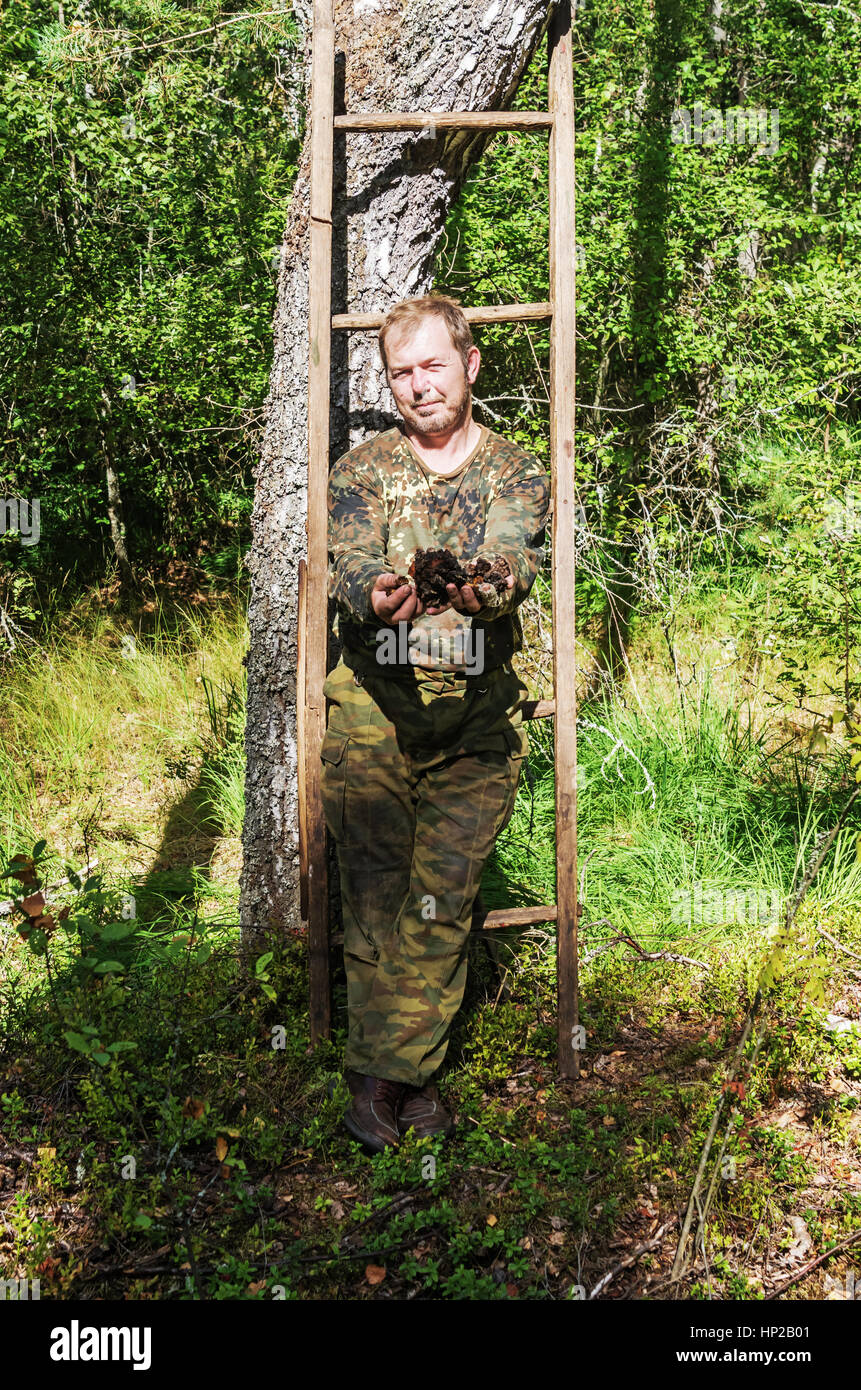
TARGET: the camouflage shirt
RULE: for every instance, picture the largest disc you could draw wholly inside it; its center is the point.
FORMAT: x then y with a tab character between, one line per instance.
385	503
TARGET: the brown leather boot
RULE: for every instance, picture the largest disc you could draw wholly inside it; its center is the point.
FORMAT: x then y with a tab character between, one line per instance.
422	1109
372	1114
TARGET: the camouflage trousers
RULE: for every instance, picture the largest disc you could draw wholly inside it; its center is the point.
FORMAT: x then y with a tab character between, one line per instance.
418	780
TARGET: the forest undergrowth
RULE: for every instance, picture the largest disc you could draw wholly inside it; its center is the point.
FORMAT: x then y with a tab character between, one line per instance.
166	1131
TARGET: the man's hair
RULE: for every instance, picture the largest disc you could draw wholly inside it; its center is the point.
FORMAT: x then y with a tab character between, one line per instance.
408	314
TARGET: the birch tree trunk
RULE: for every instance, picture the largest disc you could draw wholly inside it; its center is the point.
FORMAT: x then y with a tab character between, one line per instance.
391	196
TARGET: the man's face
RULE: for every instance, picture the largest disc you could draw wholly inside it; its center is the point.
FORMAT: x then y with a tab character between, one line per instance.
427	379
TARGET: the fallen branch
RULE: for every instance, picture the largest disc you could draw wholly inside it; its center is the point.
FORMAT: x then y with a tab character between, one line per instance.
399	1204
844	1245
10	1155
730	1076
627	940
634	1255
838	944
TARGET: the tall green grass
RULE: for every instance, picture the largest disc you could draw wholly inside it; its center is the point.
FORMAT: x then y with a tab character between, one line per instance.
97	704
222	777
671	802
677	820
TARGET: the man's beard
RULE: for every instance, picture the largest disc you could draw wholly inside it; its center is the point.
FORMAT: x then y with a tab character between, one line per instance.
447	415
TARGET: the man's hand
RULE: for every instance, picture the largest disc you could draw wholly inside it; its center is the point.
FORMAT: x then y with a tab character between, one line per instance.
395	603
470	599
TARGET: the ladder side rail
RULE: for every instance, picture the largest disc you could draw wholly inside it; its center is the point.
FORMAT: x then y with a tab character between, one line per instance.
301	735
562	367
316	578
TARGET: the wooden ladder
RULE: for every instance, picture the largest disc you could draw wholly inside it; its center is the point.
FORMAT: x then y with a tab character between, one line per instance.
313	573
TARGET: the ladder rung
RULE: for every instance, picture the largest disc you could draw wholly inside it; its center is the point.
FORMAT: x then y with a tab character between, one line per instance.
538	709
493	921
489	313
445	120
513	917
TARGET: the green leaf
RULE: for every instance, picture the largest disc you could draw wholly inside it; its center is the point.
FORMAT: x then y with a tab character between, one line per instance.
77	1041
102	1057
115	931
264	960
106	966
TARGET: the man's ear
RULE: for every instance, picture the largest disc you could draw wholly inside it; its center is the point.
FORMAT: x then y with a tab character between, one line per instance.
473	364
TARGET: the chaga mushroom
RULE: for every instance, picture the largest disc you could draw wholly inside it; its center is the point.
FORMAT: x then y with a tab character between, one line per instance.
482	571
432	570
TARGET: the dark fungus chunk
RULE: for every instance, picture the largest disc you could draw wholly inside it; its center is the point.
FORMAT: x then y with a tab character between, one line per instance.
432	570
484	572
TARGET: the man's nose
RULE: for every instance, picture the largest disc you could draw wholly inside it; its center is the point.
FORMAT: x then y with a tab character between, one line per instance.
421	382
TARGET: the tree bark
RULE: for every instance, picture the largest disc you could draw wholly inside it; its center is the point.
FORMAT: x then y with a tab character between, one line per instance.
392	194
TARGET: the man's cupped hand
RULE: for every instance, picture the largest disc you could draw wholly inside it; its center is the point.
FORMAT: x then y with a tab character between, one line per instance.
399	603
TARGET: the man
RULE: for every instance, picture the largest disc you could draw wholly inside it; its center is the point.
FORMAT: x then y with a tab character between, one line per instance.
425	738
